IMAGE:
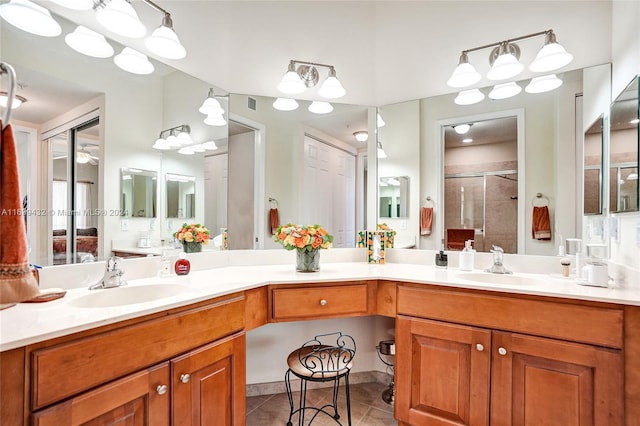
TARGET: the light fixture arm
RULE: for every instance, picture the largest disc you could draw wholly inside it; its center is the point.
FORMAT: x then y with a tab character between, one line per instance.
313	64
180	128
549	35
166	21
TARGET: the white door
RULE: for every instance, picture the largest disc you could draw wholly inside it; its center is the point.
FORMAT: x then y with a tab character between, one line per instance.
329	190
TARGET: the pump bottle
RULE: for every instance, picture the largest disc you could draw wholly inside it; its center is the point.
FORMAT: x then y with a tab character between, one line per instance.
467	256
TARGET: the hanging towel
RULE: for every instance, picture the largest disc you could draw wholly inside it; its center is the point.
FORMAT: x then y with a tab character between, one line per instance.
541	224
426	220
17	282
274	220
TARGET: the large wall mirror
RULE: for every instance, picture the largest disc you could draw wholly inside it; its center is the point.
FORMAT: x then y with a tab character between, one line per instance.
593	158
393	196
181	196
623	151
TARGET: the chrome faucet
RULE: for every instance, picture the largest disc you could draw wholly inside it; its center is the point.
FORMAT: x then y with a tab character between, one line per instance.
112	275
498	267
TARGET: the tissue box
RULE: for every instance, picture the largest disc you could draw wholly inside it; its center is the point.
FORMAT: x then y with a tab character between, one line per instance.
373	255
388	242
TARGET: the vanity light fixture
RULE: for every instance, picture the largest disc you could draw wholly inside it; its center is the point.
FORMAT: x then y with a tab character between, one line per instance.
133	61
505	64
30	17
320	107
210	146
168	139
361	136
285	104
17	100
120	17
381	153
462	129
89	42
164	41
297	79
75	4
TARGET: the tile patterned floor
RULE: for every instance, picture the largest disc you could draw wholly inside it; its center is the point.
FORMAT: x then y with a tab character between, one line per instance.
367	407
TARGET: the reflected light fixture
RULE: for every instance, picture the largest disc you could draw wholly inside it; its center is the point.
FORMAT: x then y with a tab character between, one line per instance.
175	137
634	121
210	146
298	78
469	97
30	17
361	136
133	61
461	129
89	42
505	90
467	140
17	100
320	107
379	121
545	83
213	110
285	104
120	17
381	153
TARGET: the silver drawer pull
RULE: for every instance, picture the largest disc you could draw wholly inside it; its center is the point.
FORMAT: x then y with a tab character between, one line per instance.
184	378
479	347
323	302
502	351
161	389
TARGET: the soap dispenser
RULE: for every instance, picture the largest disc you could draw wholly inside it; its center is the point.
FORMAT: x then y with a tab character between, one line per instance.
165	265
467	256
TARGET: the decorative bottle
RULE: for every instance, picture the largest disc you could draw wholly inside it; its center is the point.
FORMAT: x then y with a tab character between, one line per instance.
182	266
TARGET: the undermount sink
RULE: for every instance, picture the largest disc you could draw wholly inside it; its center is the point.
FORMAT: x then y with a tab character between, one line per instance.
121	296
509	279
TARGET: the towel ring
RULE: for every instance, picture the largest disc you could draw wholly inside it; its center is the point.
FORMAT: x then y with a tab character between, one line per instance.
273	201
5	68
429	200
539	195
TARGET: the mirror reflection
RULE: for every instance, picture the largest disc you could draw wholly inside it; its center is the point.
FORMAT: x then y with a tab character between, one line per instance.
623	151
593	146
393	193
181	196
139	192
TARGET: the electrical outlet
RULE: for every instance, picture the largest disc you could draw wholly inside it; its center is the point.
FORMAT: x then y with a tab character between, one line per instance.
152	225
613	229
124	225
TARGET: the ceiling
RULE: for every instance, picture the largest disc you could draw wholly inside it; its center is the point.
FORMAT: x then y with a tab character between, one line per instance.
383	51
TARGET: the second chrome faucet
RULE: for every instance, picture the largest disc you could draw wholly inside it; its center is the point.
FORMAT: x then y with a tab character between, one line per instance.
112	275
498	266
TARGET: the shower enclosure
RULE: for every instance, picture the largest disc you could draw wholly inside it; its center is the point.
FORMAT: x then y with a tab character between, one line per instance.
487	203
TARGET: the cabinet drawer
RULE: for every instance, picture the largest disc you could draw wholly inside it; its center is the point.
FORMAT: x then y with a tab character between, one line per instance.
69	368
585	323
289	304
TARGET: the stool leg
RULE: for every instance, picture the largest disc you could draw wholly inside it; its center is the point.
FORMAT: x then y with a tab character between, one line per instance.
303	401
287	383
336	390
346	384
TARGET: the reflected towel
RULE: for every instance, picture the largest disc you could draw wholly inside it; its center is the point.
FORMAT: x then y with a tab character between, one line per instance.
426	220
274	220
541	224
17	282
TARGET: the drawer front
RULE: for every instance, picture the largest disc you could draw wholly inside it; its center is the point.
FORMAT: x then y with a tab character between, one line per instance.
567	321
317	302
69	368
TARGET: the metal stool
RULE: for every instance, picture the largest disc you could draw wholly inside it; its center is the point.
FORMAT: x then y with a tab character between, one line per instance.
328	357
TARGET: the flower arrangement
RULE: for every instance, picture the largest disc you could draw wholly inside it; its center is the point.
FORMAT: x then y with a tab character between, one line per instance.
193	233
302	238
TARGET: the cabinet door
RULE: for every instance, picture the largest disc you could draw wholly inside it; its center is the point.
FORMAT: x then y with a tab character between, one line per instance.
539	381
209	384
442	373
136	400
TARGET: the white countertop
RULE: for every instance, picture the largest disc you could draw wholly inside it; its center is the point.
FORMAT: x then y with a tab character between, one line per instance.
28	323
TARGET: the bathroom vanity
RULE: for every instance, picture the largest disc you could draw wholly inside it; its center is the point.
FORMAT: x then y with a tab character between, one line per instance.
466	349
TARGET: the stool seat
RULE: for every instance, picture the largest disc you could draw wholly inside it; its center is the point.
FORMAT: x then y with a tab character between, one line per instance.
319	362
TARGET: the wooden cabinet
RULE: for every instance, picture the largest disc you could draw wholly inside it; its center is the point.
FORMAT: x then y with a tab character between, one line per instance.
203	387
454	370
